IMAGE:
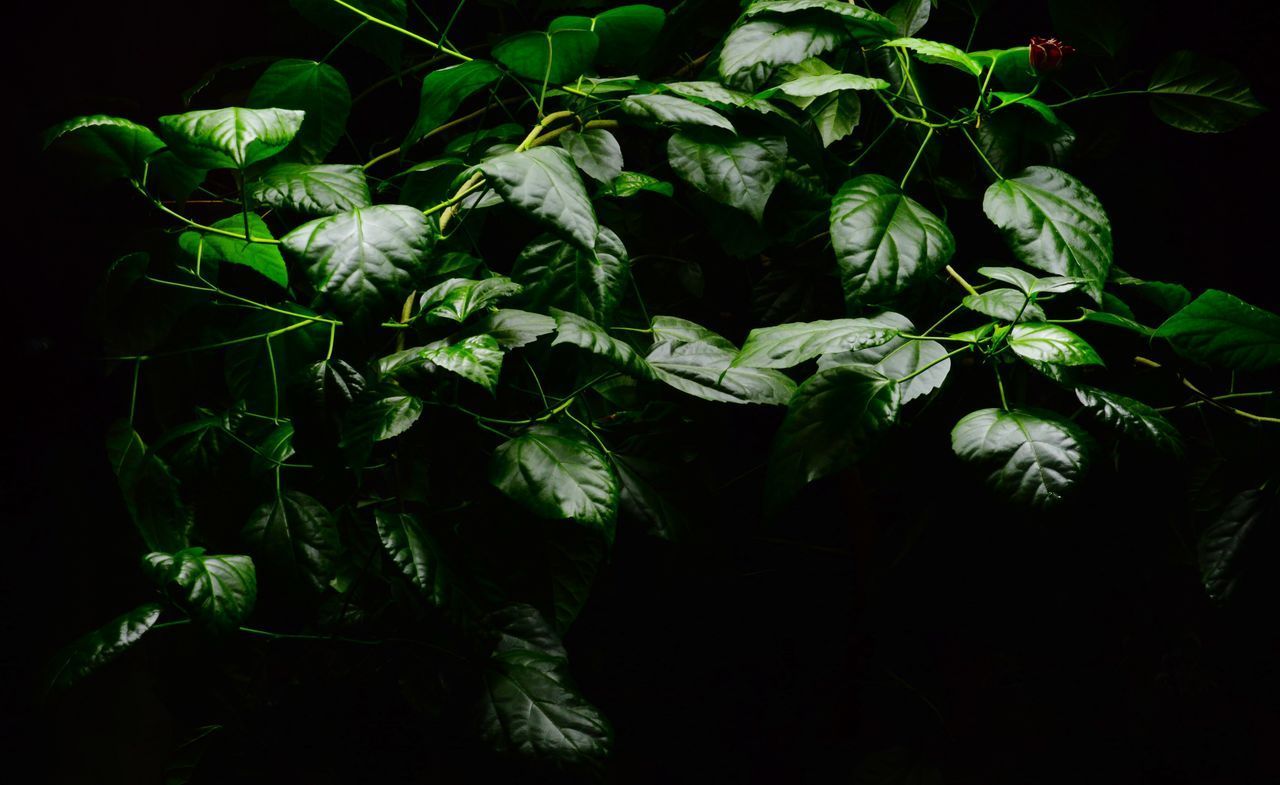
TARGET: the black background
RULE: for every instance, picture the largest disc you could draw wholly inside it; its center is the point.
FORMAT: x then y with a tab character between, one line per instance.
1004	649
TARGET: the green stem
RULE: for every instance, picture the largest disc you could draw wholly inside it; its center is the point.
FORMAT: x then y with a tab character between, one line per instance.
1004	402
375	20
982	155
342	41
919	152
202	227
958	278
221	344
1098	94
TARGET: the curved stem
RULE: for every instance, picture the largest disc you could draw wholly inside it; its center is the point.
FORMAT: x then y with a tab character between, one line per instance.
943	358
210	229
982	155
919	152
382	22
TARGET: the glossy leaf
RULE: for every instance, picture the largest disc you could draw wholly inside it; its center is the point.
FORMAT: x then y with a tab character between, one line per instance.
1200	94
263	257
909	16
1027	283
1054	223
364	260
230	138
340	21
544	183
443	91
414	551
457	299
673	110
586	334
1051	343
1008	305
791	344
885	241
1131	417
312	189
295	534
595	151
476	358
101	646
318	90
109	147
555	273
824	84
755	50
1039	457
513	328
899	358
939	53
218	591
381	417
865	24
530	710
631	183
553	57
149	489
557	472
698	362
833	420
738	171
1223	331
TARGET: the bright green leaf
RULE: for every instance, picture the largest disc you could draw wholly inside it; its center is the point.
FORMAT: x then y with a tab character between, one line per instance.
557	473
1039	456
263	257
315	189
230	138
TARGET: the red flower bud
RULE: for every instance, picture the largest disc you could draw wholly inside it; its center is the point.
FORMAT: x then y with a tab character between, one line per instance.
1047	54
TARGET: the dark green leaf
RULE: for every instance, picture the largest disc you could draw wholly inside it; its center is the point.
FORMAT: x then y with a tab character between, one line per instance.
626	33
102	646
865	24
217	591
885	241
1198	93
632	183
382	42
457	299
738	171
754	50
552	57
312	189
513	329
791	344
1223	331
106	147
1131	417
586	334
1040	456
696	361
675	111
297	535
557	473
530	710
592	284
230	138
544	183
443	91
1220	546
149	489
595	151
415	552
365	260
833	421
1054	223
898	358
909	15
1008	305
476	358
1027	283
316	89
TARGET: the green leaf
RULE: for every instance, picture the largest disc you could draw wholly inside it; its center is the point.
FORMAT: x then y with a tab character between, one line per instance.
898	358
530	710
316	89
833	421
149	489
415	552
364	261
443	91
1008	305
786	345
1016	138
738	171
274	450
1116	320
382	42
1223	331
1200	94
938	53
217	591
106	147
555	273
512	328
865	24
673	110
719	96
835	116
576	331
595	151
1027	283
476	358
909	16
383	415
885	241
553	57
696	361
754	50
557	473
1039	456
1012	66
457	299
1131	417
230	138
1219	549
297	535
1054	223
102	646
543	183
823	84
573	555
312	189
631	183
1051	343
263	257
626	33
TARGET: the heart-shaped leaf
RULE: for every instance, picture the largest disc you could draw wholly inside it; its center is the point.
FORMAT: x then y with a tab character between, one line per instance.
557	473
738	171
218	591
313	189
1039	456
230	138
316	89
